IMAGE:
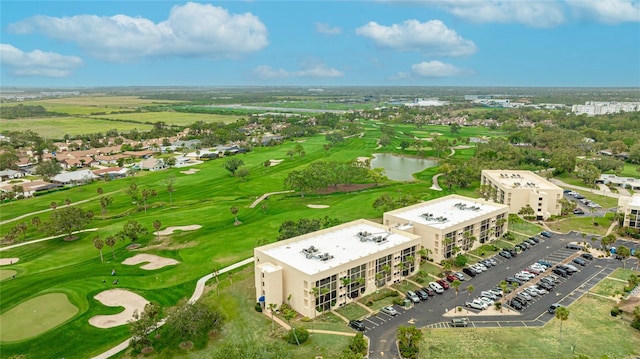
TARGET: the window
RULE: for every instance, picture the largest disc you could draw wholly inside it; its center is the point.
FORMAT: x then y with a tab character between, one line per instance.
326	293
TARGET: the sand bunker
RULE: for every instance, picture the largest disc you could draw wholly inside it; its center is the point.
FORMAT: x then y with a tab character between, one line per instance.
317	206
363	159
274	162
169	230
190	171
155	262
8	261
118	298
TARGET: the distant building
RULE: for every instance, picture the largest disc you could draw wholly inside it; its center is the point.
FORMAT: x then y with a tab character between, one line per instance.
152	164
595	108
74	178
451	222
624	182
420	102
630	207
517	189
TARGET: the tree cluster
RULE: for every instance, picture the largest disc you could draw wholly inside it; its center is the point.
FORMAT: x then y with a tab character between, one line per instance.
320	175
387	203
290	229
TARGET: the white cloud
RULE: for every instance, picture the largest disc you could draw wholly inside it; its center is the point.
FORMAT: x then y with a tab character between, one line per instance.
199	30
432	38
326	29
316	70
608	11
36	62
431	69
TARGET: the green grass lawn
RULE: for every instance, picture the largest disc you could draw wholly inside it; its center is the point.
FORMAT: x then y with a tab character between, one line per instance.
170	118
609	288
623	273
56	127
590	330
582	224
377	300
352	311
521	226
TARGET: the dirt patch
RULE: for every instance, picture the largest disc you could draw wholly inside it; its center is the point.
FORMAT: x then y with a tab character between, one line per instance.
169	230
154	262
70	239
118	298
133	246
346	188
8	261
319	206
190	171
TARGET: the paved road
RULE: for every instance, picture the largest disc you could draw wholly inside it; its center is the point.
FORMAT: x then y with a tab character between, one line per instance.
381	328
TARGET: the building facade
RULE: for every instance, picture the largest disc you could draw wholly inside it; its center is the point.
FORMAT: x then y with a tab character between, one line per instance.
517	189
451	224
630	207
329	268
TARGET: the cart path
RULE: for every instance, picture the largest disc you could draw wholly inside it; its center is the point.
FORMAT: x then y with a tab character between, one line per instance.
44	239
264	196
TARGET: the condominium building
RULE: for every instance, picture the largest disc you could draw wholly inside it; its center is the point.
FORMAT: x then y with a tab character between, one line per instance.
450	224
630	207
517	189
326	269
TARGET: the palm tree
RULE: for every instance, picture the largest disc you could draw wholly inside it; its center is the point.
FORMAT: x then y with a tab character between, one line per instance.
98	243
456	285
470	290
562	314
272	309
36	221
387	270
410	262
401	266
53	205
345	283
111	241
423	254
169	182
67	201
156	225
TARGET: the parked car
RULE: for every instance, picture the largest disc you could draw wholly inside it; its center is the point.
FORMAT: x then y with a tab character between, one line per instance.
524	295
544	285
535	239
515	305
389	310
531	242
488	301
357	325
476	304
588	256
578	211
545	234
568	268
534	270
459	322
487	263
545	263
422	294
460	276
561	272
497	292
540	290
505	254
532	292
488	294
469	271
521	247
553	307
493	261
523	277
573	246
512	252
451	277
512	280
430	292
443	283
436	287
520	300
413	297
580	261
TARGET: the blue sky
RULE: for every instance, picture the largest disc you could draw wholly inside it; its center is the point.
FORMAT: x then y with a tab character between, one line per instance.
321	43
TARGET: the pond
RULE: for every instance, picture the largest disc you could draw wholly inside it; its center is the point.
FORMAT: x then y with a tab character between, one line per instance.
400	168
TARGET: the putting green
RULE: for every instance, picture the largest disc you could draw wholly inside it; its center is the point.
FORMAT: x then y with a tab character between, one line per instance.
36	316
6	273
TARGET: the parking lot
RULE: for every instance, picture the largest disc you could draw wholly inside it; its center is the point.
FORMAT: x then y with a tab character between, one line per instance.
381	328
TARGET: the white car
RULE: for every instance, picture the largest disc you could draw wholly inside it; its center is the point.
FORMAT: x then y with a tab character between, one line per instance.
436	287
488	294
486	301
481	266
540	291
538	266
532	292
522	277
497	291
477	304
527	274
493	261
525	295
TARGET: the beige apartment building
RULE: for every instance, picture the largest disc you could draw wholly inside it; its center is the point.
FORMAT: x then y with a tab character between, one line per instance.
451	222
517	189
326	269
630	207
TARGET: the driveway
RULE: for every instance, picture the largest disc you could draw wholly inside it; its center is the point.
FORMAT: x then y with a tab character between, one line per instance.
381	329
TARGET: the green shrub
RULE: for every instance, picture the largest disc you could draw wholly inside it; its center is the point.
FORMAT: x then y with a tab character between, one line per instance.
398	301
296	336
305	319
258	307
615	311
369	303
460	261
636	324
420	280
359	344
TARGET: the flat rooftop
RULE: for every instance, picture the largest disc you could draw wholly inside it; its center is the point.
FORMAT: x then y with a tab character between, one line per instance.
520	179
342	243
446	212
635	200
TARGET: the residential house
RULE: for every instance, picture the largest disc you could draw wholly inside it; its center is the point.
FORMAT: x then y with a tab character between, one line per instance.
74	178
152	164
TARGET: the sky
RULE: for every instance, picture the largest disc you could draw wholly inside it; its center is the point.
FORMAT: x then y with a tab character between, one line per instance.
550	43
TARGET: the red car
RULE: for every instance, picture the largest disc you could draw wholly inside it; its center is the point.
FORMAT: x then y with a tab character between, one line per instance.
451	277
443	283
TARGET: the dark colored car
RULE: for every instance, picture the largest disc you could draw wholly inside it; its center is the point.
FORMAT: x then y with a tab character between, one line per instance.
512	280
544	285
443	283
545	234
580	261
357	325
588	256
512	252
561	272
422	294
505	254
578	211
469	271
546	263
567	269
531	242
520	300
451	277
516	305
459	322
535	239
430	292
573	246
553	307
